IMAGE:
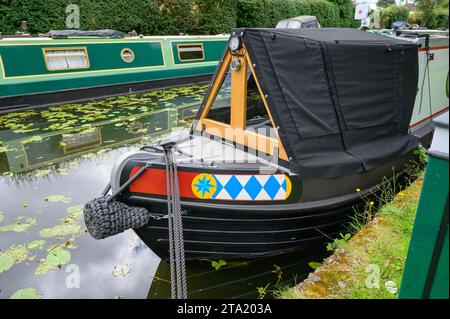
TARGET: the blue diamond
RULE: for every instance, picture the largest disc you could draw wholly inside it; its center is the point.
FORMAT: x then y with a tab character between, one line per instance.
272	187
233	187
253	187
284	185
219	187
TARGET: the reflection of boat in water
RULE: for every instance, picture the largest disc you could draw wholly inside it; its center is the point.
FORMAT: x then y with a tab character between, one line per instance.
308	124
75	65
238	279
22	152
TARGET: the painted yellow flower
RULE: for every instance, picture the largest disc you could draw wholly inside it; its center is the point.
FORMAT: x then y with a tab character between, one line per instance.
371	203
358	190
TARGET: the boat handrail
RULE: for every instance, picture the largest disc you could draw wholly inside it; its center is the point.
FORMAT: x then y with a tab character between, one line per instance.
422	32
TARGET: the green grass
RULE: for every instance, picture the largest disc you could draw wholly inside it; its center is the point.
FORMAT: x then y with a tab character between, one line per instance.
380	245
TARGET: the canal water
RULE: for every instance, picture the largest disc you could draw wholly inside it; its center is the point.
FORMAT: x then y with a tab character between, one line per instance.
55	159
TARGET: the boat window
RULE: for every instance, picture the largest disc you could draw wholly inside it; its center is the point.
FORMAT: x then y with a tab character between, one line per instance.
309	25
77	141
190	52
294	24
282	24
220	111
257	117
66	58
127	55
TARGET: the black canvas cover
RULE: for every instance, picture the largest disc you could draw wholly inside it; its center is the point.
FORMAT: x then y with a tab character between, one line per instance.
342	98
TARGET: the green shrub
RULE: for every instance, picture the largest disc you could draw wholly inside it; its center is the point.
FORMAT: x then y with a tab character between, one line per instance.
266	13
169	17
392	14
346	12
440	20
252	13
216	16
326	12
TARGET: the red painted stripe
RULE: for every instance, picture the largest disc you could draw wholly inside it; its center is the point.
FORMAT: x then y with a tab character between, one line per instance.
153	181
435	48
428	117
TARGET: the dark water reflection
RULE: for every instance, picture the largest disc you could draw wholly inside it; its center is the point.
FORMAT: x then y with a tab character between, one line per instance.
66	152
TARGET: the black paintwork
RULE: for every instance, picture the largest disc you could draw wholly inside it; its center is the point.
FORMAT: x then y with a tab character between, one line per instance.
317	211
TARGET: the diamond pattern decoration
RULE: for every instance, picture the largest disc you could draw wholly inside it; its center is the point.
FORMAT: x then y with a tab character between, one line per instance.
233	187
251	187
272	186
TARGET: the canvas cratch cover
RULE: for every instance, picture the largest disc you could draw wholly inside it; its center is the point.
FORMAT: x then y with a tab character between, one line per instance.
342	98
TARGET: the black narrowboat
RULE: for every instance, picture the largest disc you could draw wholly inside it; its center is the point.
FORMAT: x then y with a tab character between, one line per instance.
297	129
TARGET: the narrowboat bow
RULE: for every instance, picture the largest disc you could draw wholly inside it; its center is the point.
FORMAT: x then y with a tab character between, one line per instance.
297	128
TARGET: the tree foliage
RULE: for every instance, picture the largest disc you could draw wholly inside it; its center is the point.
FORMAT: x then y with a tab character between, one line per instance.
391	14
385	3
156	17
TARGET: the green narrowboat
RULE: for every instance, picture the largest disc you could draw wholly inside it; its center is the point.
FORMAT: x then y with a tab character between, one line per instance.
49	70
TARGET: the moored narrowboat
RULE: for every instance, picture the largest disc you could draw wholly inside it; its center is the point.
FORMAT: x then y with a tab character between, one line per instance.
68	66
297	129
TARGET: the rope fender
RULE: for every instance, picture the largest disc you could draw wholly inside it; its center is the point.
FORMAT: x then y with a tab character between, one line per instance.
105	218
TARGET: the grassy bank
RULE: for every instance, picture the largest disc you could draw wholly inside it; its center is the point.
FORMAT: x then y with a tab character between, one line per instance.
369	264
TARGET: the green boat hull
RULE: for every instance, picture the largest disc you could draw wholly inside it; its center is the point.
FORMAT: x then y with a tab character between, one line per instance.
27	81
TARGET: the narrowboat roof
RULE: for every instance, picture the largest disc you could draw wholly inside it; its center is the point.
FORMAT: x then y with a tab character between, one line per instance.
341	99
87	39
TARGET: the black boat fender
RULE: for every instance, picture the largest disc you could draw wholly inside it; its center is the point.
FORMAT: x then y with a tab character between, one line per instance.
104	219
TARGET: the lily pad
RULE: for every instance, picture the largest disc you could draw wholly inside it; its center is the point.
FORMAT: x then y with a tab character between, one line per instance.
60	230
36	244
6	262
121	271
32	139
76	211
43	172
58	257
58	198
16	227
44	267
218	264
26	293
18	253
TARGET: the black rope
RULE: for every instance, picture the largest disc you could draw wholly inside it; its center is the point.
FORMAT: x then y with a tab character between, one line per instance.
128	182
175	227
